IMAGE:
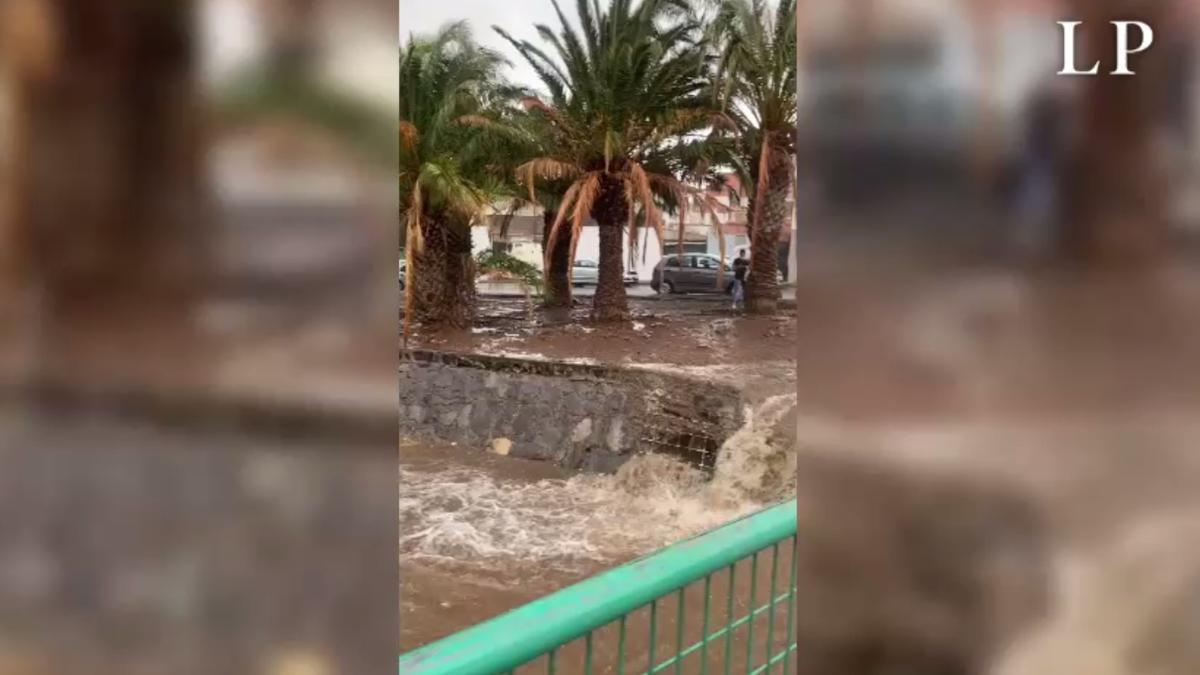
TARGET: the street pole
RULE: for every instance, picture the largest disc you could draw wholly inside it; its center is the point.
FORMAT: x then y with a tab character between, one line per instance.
794	242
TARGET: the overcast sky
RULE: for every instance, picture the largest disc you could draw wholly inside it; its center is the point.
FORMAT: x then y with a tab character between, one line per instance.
515	16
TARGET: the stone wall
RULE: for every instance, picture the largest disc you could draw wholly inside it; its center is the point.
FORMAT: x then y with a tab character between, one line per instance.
584	417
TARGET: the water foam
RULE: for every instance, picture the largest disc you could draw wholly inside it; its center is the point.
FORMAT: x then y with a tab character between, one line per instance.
466	514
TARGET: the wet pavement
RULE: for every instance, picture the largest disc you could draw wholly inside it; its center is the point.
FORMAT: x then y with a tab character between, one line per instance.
687	332
642	290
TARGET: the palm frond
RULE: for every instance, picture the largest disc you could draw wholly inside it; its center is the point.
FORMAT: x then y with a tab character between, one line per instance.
641	187
547	168
563	209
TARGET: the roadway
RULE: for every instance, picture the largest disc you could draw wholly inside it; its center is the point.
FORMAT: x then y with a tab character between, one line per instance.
509	289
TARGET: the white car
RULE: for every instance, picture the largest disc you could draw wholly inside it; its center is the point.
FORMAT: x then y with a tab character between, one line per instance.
586	272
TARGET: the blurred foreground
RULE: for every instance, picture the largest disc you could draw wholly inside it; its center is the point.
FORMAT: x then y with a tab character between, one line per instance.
197	342
1000	376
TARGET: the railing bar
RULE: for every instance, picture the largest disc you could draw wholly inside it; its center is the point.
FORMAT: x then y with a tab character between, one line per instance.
729	624
704	629
679	632
703	643
790	639
739	623
771	613
552	662
607	597
782	656
753	599
621	647
588	653
653	633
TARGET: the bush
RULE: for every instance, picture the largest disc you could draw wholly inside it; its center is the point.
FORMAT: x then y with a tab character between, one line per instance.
494	263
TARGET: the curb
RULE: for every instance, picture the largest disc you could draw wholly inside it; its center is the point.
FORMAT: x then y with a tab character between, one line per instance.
784	303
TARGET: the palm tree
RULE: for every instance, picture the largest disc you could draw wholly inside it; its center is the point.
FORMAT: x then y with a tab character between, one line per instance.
558	259
757	89
451	122
116	235
624	89
536	142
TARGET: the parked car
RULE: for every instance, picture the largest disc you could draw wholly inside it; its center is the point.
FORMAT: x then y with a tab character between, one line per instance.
586	272
402	265
697	274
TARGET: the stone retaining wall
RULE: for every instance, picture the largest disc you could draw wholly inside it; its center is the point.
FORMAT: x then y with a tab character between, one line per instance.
584	417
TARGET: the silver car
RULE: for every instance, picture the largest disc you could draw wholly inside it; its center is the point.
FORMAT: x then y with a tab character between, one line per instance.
403	264
586	272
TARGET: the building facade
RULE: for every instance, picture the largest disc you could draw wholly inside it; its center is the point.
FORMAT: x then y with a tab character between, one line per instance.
520	234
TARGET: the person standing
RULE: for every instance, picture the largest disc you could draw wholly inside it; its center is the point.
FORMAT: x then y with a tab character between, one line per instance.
741	265
1045	150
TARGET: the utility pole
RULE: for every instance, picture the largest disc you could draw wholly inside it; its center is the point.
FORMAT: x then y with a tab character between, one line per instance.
801	44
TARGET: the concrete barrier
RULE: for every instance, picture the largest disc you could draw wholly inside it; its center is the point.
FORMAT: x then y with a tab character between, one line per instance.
586	417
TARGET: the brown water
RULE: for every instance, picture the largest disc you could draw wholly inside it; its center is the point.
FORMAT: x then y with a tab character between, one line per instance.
1080	391
481	534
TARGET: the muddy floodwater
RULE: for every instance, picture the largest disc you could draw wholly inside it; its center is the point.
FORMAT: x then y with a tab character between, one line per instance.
481	534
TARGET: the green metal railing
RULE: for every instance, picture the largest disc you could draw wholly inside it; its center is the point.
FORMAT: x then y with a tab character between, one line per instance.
693	607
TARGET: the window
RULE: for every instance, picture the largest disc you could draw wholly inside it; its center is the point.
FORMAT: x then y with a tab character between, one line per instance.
705	263
585	263
672	261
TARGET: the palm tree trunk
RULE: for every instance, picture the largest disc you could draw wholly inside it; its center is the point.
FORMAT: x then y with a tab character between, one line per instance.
762	285
460	281
1116	195
111	198
443	277
558	282
610	303
611	213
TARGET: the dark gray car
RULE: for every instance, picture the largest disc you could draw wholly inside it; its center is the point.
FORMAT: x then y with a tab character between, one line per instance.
696	274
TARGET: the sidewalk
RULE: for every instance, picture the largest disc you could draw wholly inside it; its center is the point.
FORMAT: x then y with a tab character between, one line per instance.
499	289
